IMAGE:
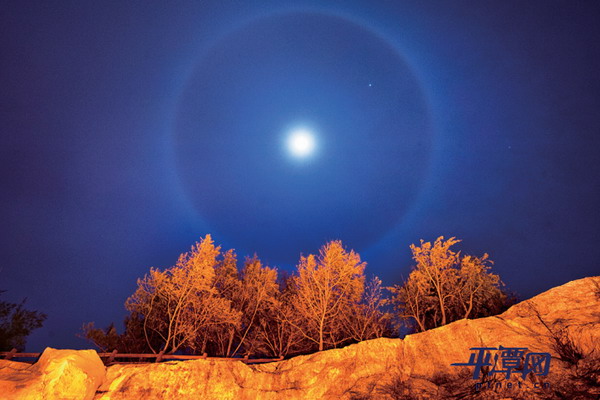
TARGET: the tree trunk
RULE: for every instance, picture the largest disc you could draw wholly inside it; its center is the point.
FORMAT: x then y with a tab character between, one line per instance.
442	309
470	307
321	334
229	344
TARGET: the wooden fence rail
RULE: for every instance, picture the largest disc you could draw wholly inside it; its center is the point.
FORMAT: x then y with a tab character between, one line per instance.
111	358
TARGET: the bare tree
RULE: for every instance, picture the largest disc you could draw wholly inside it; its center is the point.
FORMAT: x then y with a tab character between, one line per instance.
413	303
444	287
366	319
325	288
181	301
477	286
276	332
258	291
435	270
219	338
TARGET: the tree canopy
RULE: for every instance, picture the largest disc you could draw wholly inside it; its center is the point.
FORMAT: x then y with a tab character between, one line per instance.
445	286
208	302
16	323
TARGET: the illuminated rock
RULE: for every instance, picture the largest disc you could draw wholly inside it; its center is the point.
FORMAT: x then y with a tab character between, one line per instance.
419	365
58	374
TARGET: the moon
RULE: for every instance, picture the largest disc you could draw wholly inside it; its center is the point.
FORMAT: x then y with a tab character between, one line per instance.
301	143
301	185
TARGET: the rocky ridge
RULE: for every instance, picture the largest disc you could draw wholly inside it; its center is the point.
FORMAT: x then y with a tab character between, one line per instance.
559	321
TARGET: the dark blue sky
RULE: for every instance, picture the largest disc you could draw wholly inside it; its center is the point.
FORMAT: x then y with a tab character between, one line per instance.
130	130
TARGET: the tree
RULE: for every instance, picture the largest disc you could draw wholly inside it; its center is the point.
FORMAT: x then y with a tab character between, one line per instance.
366	319
179	303
444	286
325	288
218	339
478	291
105	339
435	270
204	303
276	332
249	291
133	340
259	291
412	303
16	323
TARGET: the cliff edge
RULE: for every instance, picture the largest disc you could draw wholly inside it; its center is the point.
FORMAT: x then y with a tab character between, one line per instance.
563	321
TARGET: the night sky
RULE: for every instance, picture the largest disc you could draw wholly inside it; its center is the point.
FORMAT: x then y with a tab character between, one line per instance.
131	130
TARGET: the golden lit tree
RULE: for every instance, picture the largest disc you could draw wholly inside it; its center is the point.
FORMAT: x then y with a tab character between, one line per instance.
259	290
478	292
249	292
325	288
276	332
219	339
435	270
366	319
180	302
412	302
444	287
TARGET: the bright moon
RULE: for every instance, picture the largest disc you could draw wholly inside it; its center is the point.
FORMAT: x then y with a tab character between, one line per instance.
301	143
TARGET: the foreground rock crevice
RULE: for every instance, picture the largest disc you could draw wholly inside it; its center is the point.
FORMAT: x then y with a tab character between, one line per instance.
415	367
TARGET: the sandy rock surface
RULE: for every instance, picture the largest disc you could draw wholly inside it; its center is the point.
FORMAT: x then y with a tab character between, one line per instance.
419	365
58	374
377	369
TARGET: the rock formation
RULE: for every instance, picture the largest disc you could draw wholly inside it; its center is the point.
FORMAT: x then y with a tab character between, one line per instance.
564	321
58	374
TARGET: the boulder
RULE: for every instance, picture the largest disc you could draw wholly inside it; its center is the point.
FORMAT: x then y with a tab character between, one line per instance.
58	374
